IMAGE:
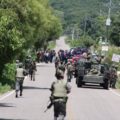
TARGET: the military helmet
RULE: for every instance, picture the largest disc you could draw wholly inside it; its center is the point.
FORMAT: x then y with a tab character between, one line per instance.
20	65
59	73
17	61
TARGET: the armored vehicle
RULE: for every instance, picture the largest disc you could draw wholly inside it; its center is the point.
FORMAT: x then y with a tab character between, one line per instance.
91	72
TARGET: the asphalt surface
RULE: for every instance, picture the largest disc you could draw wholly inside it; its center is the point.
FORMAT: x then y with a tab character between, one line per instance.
87	103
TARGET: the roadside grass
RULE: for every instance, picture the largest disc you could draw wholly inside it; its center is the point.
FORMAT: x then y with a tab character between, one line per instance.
4	88
118	84
7	80
118	81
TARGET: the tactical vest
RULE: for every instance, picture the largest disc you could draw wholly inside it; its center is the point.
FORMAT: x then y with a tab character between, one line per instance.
60	89
70	68
19	72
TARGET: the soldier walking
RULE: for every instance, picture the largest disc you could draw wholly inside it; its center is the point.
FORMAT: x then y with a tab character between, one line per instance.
59	90
20	74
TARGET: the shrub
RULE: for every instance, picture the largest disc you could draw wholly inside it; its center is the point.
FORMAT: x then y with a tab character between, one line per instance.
4	88
8	77
86	41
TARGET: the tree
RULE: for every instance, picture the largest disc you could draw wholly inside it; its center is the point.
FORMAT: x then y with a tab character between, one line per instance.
23	23
115	31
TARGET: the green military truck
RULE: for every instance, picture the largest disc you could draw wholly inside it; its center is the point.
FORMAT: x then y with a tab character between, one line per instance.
93	73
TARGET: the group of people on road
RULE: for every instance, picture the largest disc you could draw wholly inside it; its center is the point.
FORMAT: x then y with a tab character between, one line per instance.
68	67
45	56
59	88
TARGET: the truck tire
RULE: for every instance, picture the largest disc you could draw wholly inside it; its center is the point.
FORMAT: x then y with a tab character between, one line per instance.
79	81
106	84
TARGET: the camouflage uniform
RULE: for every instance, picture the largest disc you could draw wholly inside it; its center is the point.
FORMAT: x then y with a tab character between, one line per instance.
113	76
59	89
20	73
69	72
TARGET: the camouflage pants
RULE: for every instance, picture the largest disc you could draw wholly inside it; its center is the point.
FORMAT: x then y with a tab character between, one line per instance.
32	75
113	83
19	84
59	108
69	76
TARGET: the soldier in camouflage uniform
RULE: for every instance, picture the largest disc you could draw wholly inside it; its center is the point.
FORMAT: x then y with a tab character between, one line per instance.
20	74
59	89
69	71
113	76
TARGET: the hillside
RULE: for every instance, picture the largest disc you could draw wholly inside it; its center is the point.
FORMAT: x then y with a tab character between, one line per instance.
75	10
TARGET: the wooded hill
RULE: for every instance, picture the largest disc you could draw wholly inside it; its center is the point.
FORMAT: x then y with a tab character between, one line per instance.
87	16
75	10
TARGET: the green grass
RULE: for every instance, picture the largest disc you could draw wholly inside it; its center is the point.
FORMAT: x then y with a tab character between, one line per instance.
4	89
118	82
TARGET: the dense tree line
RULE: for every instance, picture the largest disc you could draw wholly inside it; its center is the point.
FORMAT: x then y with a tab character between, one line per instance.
23	24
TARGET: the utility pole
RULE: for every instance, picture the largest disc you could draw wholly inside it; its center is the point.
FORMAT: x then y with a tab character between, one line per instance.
85	27
108	21
100	12
109	11
73	32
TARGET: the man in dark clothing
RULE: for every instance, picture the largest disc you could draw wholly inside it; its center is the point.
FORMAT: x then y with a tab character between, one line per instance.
113	76
32	70
69	71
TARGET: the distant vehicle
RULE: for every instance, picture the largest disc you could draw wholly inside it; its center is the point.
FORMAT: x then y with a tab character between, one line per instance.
77	51
94	73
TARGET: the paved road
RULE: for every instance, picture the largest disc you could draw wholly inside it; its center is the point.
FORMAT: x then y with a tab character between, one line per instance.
87	103
60	44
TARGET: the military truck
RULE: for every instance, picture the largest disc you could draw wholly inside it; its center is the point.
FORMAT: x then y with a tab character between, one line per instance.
91	72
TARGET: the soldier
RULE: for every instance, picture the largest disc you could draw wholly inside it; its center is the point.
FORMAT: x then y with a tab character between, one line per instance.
113	76
69	71
27	63
102	59
59	90
17	63
32	70
57	60
61	66
20	73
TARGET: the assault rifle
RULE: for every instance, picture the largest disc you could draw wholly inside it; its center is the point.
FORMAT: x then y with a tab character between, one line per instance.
49	106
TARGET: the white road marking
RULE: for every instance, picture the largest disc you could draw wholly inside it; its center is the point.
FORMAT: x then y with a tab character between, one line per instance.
7	95
10	93
115	92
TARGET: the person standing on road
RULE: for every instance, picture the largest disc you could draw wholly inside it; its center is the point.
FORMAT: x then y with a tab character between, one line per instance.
59	90
32	70
20	74
113	76
69	71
